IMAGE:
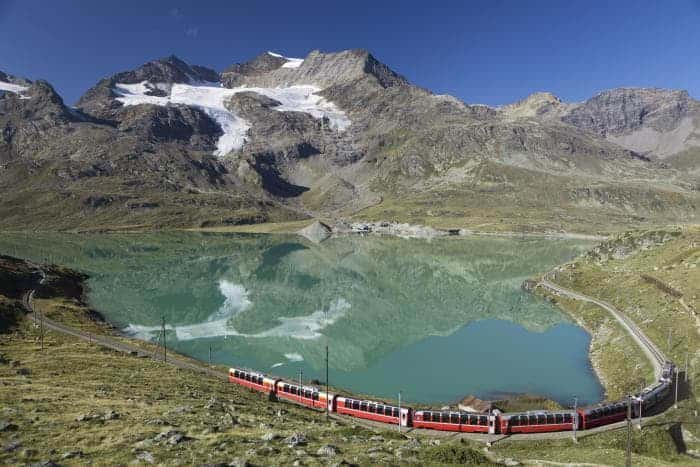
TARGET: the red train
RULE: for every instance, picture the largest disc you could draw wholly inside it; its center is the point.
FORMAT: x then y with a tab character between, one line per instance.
539	421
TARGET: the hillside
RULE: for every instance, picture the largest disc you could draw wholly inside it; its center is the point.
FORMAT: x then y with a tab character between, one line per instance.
337	135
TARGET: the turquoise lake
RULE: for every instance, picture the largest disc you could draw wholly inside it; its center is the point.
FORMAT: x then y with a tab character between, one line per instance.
437	319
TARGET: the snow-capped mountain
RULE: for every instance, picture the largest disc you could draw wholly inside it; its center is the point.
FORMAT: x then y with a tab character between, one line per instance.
337	134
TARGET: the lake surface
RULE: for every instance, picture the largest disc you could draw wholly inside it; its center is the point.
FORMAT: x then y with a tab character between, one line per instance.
436	319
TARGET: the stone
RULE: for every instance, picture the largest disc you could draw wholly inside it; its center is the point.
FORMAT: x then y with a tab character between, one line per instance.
12	446
327	450
228	420
239	463
72	454
23	371
297	439
377	439
270	436
316	232
48	463
183	409
110	415
7	426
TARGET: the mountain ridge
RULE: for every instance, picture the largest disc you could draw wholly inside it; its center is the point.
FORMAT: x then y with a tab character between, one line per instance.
342	134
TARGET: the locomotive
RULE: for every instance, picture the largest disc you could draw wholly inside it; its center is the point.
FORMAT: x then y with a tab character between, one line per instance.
495	422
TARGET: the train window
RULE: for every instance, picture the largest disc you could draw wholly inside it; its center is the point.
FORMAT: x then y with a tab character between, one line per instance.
454	418
372	408
395	412
247	376
541	419
472	420
380	409
356	405
445	418
307	393
436	417
236	373
387	411
567	418
532	419
515	421
316	396
558	417
463	419
550	418
523	420
483	420
363	406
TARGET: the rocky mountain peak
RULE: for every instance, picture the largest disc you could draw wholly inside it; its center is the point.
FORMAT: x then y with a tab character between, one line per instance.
621	110
317	69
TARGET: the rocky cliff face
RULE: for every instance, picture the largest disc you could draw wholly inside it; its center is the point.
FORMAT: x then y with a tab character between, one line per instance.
340	134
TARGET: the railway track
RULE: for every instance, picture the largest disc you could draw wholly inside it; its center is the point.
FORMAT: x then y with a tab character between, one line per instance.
654	354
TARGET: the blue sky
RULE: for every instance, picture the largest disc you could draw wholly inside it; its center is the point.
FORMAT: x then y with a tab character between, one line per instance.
490	52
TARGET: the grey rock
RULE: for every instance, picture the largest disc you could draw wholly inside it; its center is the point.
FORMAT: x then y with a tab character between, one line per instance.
327	450
71	454
377	439
297	439
270	436
146	456
316	232
12	446
7	426
47	463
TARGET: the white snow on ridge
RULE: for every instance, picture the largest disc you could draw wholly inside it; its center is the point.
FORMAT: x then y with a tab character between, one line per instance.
291	62
210	98
14	88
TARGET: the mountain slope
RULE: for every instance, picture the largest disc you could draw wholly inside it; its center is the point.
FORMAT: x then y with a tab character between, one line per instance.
339	135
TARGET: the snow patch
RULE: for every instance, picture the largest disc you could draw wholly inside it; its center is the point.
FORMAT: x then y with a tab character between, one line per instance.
291	62
211	99
13	88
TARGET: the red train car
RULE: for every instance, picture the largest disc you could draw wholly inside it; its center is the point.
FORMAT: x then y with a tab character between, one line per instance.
305	395
592	417
252	380
371	410
537	422
455	421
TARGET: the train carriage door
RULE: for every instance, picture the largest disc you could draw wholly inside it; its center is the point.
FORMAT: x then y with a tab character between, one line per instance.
330	400
492	421
404	417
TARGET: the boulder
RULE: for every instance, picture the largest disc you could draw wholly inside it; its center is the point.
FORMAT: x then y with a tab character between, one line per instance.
316	232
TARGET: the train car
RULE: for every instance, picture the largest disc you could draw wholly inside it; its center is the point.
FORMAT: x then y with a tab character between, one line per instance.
454	421
653	395
592	417
252	380
371	410
537	422
309	396
667	371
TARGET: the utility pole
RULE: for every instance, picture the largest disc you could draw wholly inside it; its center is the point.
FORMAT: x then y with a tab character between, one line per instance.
641	389
325	317
210	355
301	384
165	347
399	411
686	366
675	400
669	341
328	399
628	459
575	417
41	329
